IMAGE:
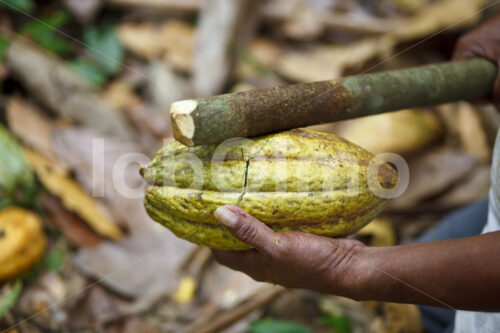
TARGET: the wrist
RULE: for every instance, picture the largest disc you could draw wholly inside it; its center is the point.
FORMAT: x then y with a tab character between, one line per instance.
367	279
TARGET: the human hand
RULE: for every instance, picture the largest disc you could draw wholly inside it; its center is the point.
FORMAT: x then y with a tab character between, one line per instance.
460	273
295	259
483	41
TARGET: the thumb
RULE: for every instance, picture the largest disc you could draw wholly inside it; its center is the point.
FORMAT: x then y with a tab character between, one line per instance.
246	227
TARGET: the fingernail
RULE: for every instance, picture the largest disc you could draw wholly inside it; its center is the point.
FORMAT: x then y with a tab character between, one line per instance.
226	216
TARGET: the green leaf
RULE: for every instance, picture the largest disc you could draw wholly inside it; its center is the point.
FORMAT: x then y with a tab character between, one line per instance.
18	5
4	42
17	180
56	20
9	298
44	32
105	48
55	259
337	323
277	326
89	71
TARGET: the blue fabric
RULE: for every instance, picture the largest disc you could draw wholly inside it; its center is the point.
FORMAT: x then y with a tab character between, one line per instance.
437	319
465	222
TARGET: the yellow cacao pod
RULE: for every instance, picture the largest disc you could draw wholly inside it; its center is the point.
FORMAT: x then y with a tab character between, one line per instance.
22	242
397	132
296	180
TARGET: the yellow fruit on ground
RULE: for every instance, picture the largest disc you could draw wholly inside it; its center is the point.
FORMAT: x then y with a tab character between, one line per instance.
22	242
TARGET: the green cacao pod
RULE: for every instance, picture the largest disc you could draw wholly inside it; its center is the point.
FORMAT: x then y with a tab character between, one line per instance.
296	180
17	180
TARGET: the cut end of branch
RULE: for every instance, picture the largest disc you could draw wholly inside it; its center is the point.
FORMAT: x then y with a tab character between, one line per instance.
182	120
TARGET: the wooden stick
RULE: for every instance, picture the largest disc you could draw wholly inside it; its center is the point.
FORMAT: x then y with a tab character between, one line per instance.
261	111
226	318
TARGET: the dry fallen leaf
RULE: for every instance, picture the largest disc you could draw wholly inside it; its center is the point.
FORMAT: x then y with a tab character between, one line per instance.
143	265
329	61
72	196
398	318
34	129
265	51
166	86
226	287
178	40
472	134
258	60
150	122
64	91
336	16
432	173
95	172
121	95
463	120
48	297
143	39
409	6
474	187
97	307
445	14
303	24
381	232
138	324
173	41
70	225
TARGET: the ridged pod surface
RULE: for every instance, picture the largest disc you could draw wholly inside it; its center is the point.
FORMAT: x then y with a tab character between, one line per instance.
297	180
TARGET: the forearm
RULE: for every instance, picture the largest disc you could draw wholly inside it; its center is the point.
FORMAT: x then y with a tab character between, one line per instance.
461	273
